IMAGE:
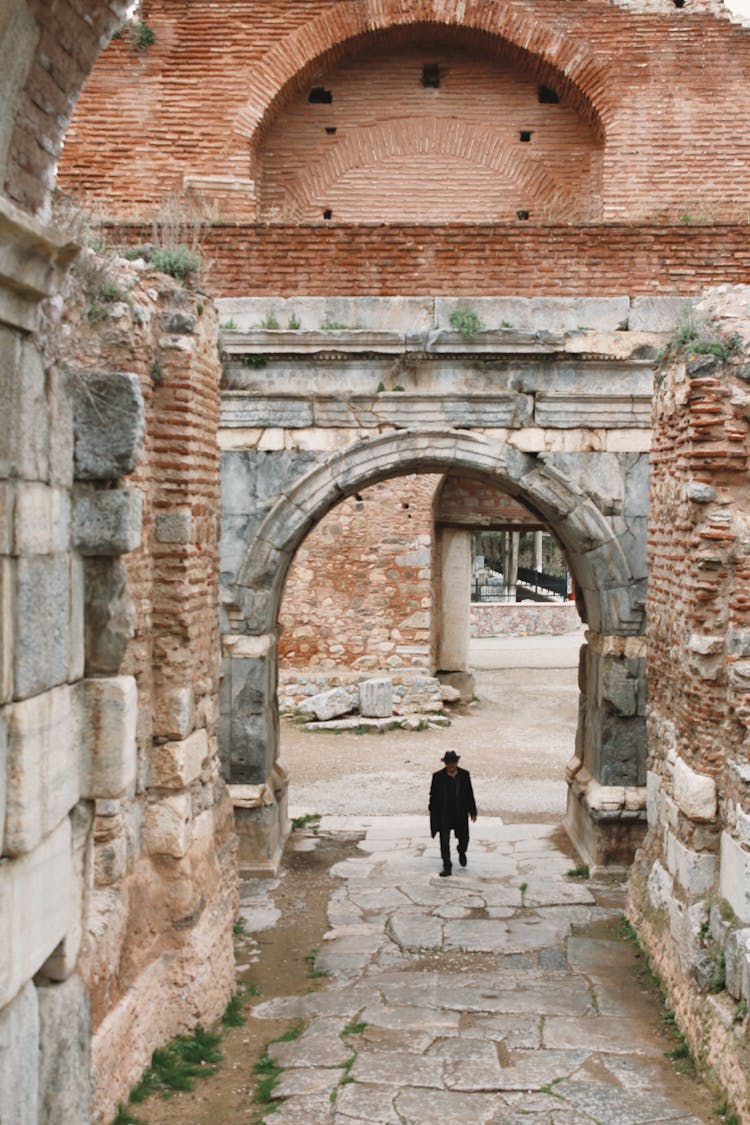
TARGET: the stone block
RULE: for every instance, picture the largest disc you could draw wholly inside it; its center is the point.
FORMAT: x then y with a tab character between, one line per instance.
109	421
736	962
695	793
62	962
658	314
175	765
734	876
175	527
41	519
167	826
329	704
659	887
19	1059
109	710
653	794
41	630
174	713
42	777
694	871
7	500
109	618
60	413
376	698
36	896
6	630
24	423
3	767
108	522
64	1053
618	686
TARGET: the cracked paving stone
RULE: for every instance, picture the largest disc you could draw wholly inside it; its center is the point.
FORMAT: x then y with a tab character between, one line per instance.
617	1106
445	1107
392	1039
281	1008
516	935
320	1045
399	1070
368	1103
413	930
407	1018
307	1080
556	892
513	1031
385	899
314	1109
604	1034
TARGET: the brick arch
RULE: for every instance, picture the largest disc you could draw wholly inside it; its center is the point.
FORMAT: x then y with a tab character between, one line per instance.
452	138
549	55
55	48
599	566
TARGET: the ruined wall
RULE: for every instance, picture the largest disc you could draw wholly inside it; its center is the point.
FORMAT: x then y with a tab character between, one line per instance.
690	887
649	128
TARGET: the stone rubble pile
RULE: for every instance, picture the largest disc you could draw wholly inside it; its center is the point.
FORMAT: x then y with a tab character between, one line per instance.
378	703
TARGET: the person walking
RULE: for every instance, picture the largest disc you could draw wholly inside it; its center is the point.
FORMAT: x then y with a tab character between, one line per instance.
451	804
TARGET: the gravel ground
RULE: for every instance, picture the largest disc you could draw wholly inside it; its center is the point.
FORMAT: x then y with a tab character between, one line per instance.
515	741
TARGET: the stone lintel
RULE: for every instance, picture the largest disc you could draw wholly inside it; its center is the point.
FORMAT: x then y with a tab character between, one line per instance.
32	257
630	647
239	646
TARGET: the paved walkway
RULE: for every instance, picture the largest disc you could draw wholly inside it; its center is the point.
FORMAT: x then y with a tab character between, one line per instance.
498	996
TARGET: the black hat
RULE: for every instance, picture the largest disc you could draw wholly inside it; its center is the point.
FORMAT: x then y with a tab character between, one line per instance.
450	756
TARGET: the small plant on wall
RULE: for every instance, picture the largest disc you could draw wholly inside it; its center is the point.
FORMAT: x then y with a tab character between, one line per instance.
466	321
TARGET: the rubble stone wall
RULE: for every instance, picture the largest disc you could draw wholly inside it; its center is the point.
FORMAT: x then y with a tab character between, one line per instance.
690	887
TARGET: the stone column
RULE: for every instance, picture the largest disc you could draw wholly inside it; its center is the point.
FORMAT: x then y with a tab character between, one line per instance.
454	610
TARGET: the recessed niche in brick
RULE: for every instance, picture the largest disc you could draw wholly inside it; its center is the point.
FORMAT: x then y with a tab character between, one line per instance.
679	3
525	135
328	213
522	215
320	96
431	76
330	129
548	96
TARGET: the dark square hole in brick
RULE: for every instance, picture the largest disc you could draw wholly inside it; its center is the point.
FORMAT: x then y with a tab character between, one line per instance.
525	135
548	96
522	214
320	96
328	213
431	75
330	129
679	3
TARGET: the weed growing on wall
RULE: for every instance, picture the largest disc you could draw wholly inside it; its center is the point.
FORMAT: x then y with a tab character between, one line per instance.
466	321
178	261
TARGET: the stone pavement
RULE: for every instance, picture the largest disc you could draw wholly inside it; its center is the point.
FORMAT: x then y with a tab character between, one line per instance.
499	995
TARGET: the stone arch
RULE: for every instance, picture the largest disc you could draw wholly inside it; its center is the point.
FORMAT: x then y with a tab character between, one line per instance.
450	138
553	58
607	587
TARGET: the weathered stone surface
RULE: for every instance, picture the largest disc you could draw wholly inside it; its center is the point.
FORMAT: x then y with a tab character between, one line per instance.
329	704
658	314
41	519
376	697
6	630
109	618
175	765
109	420
36	900
42	780
737	963
174	527
695	871
174	713
734	876
19	1060
167	826
108	522
109	709
64	1053
41	630
695	793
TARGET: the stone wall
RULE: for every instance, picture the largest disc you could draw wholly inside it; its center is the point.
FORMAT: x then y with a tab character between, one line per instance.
499	619
690	887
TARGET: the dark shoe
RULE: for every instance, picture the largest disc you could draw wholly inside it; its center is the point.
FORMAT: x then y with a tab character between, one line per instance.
462	858
447	871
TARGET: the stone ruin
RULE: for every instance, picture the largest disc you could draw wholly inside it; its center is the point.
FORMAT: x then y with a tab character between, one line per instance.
118	877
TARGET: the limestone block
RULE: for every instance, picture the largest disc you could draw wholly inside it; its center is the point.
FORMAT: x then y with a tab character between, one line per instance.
108	522
62	962
42	780
64	1053
743	828
619	685
175	527
694	871
329	704
109	421
376	698
176	765
659	887
60	414
19	1059
7	497
3	767
739	642
734	876
41	519
36	897
737	962
41	625
109	618
658	314
174	712
695	793
178	323
76	628
653	793
6	630
24	423
701	493
167	826
109	710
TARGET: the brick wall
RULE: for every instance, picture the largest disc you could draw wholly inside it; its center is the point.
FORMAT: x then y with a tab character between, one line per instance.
472	503
637	139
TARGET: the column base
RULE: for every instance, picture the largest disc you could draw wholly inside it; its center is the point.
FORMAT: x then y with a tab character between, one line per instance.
461	681
261	821
606	823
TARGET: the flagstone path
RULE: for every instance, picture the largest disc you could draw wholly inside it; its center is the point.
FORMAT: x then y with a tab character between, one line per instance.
499	996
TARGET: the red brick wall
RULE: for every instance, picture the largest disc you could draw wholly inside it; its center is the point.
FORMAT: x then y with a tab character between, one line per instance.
699	568
667	94
475	504
359	588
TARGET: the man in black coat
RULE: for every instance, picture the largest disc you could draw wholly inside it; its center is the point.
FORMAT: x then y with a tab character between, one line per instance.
451	804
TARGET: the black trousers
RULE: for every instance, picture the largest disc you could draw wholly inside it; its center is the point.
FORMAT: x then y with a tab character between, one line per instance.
445	842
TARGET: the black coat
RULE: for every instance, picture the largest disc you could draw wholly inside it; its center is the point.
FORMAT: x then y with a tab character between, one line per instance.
466	805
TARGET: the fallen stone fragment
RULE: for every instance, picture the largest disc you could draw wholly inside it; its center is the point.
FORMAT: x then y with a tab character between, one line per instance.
328	704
